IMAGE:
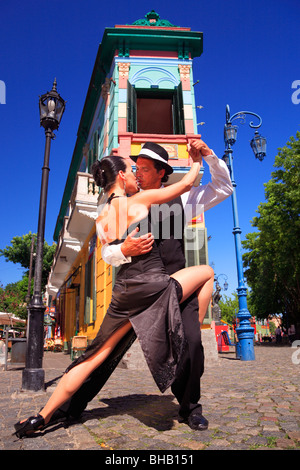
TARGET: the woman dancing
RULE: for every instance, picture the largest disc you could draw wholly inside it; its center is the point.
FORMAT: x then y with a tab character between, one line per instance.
144	297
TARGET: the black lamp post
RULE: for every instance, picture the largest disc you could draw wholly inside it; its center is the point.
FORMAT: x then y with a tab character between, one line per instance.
52	107
244	331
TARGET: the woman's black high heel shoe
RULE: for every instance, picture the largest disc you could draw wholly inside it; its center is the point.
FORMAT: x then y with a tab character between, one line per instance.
34	423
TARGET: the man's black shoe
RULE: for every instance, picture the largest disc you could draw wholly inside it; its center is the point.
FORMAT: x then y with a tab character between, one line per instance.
195	420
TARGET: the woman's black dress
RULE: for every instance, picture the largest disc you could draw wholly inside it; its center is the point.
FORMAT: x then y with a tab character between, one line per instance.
145	295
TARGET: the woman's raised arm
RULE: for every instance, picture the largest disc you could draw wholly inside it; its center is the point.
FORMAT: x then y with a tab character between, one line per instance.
159	196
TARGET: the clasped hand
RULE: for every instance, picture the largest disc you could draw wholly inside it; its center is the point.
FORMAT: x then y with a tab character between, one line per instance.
198	149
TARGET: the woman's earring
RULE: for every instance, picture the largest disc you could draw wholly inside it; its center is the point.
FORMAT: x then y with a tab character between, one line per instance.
124	188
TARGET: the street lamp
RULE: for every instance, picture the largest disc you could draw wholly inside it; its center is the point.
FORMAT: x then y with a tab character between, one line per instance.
245	333
225	285
52	107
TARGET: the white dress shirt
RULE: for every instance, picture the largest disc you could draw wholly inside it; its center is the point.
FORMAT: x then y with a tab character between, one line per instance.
195	202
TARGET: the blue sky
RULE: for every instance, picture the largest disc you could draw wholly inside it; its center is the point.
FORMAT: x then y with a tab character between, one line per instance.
250	61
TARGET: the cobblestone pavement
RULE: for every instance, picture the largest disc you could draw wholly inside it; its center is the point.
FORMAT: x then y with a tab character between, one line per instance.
250	405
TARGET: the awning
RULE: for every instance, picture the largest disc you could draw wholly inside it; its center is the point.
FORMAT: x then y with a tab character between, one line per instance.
10	319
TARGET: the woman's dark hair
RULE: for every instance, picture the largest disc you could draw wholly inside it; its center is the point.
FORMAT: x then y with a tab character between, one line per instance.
105	171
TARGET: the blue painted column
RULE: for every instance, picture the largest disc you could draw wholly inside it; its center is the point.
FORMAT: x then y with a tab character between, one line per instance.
245	332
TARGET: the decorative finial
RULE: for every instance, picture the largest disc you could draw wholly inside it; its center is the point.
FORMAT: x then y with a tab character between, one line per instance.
153	19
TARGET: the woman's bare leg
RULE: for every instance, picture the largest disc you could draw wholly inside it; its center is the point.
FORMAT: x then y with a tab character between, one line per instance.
198	279
73	380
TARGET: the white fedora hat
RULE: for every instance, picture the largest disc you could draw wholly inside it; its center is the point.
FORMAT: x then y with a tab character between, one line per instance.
154	152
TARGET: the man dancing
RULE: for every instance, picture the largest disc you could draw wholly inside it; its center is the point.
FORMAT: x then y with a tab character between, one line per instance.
152	170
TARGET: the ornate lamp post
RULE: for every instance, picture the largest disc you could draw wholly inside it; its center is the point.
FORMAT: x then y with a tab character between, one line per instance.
225	285
52	107
245	332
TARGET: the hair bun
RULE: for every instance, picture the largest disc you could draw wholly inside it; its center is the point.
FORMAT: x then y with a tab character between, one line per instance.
106	170
102	178
99	174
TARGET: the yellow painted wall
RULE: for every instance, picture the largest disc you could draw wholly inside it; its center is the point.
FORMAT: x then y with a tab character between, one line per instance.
181	150
69	314
103	285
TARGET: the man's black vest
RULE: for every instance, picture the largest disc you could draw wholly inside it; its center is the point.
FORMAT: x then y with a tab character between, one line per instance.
167	227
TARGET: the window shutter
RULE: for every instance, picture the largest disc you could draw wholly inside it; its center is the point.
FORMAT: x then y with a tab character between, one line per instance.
131	108
87	293
94	287
178	114
96	141
196	246
90	160
196	251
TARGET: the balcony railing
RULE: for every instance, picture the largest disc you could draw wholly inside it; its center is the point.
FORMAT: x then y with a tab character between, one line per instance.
76	228
83	206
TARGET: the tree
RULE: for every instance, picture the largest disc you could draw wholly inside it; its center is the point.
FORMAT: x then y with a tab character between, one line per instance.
229	307
19	252
273	256
12	300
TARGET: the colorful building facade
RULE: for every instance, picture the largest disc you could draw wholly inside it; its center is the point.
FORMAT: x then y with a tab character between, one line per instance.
141	89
